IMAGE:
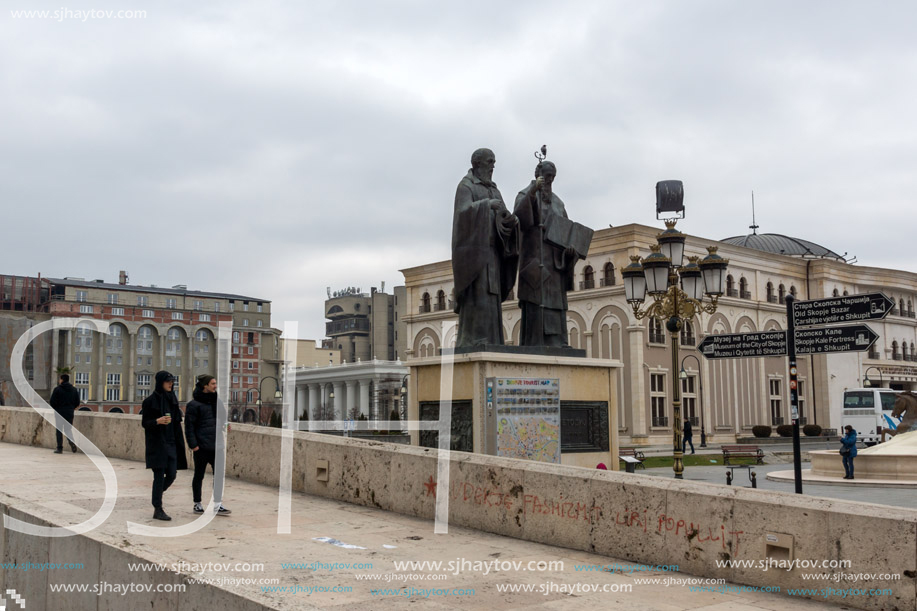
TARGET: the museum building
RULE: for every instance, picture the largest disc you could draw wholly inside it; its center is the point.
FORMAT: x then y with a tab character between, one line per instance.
727	397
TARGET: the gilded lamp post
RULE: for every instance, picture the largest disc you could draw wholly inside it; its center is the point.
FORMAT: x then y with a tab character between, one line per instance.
658	274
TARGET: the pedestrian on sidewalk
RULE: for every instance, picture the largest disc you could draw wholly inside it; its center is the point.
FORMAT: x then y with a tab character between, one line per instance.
165	447
201	434
65	399
848	450
687	437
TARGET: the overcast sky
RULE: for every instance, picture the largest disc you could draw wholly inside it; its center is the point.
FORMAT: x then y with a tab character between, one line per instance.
277	148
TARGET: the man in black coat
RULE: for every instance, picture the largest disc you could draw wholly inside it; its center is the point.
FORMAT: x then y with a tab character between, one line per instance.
165	447
65	399
687	437
201	433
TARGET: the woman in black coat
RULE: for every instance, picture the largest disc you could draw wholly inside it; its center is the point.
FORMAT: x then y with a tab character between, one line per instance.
165	446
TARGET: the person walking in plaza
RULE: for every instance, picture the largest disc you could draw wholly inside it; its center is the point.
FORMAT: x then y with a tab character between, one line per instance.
687	437
165	447
201	434
848	450
65	399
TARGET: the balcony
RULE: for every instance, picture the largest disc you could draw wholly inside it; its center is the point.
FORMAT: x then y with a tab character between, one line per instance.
745	294
439	307
688	340
657	338
732	292
347	325
586	284
896	356
424	308
910	314
660	421
776	420
606	282
772	299
872	354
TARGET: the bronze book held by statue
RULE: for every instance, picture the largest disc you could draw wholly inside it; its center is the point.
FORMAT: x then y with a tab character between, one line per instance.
565	233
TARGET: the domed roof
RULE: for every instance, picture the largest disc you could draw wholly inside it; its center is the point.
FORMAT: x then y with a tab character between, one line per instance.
782	245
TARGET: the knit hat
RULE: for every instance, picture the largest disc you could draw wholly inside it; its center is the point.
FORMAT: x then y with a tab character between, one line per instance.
204	380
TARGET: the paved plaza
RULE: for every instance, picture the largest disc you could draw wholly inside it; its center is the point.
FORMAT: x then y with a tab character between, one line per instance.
68	488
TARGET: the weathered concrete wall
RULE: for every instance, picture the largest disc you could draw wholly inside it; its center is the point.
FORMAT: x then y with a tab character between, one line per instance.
12	326
640	518
103	560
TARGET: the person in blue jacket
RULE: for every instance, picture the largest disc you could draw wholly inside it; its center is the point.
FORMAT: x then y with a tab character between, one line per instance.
848	450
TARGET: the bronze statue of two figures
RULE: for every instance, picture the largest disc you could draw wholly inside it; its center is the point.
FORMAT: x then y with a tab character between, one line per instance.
490	245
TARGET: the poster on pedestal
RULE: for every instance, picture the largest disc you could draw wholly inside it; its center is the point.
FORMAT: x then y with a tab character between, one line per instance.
527	417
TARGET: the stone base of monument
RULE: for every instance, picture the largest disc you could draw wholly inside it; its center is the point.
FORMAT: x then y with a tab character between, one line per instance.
558	408
533	350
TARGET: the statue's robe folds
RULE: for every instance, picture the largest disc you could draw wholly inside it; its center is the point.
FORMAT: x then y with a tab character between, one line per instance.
484	263
545	274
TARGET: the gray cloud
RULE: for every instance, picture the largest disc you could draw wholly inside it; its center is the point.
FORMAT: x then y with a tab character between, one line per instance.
279	148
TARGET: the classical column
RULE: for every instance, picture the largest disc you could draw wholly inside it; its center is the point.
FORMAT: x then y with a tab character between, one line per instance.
187	369
315	398
364	397
350	402
301	398
131	397
638	400
375	411
338	400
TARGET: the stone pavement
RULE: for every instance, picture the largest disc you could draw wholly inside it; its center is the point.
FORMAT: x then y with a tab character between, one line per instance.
68	488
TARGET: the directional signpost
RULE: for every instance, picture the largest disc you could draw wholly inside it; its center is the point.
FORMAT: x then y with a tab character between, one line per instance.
811	339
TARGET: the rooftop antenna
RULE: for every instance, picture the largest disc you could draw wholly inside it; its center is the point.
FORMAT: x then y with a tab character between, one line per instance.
754	225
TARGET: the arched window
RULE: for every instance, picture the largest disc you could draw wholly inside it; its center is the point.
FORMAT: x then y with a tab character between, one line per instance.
687	334
203	335
440	301
895	354
743	288
793	291
846	293
835	293
656	334
781	294
116	330
901	310
425	303
770	293
174	333
913	354
608	274
910	308
588	278
730	287
904	351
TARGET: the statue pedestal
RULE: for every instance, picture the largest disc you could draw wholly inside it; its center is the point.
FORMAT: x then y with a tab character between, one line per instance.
505	404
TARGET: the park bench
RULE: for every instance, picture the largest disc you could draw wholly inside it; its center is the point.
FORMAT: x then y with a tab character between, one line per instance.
743	452
633	454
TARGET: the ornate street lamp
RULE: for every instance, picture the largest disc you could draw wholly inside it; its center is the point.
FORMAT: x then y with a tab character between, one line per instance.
278	394
867	383
661	271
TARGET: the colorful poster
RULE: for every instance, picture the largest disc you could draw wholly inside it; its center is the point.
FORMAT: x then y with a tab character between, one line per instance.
528	418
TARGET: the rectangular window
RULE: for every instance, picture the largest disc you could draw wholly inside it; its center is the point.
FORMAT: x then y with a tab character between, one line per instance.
85	309
119	360
235	364
142	394
144	379
689	399
251	365
77	356
84	394
177	316
245	306
203	317
88	359
235	396
198	305
81	296
260	323
139	361
108	360
143	301
251	350
170	303
235	379
149	314
251	380
178	362
117	311
81	378
206	363
232	306
168	362
216	306
260	308
113	393
112	298
658	399
197	363
113	379
235	350
776	398
235	336
244	321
